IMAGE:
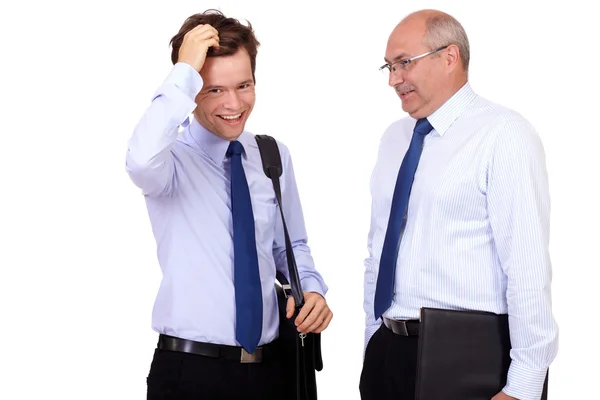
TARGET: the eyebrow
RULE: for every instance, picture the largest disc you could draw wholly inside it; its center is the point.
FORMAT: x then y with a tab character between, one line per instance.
211	87
397	58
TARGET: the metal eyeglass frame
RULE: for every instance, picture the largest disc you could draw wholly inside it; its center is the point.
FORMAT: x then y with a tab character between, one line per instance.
406	63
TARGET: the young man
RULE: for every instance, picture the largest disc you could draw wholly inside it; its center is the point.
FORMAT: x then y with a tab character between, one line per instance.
461	186
215	219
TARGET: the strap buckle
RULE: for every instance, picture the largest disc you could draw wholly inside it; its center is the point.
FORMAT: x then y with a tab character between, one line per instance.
287	290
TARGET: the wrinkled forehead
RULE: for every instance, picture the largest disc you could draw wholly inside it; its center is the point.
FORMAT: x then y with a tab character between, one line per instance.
406	40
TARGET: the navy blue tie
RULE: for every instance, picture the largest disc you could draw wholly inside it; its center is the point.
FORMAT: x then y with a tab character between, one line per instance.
387	263
248	291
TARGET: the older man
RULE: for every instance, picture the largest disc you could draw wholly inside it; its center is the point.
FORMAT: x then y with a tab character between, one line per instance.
460	215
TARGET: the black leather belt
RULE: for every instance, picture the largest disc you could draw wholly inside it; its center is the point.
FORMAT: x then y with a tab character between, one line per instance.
403	328
232	353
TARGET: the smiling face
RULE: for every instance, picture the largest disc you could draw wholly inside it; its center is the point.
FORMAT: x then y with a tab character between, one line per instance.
417	86
227	96
427	82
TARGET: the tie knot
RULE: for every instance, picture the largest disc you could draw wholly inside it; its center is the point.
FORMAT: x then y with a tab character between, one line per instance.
423	127
235	147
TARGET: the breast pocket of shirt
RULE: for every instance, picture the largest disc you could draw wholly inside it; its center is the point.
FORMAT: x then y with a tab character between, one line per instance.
265	217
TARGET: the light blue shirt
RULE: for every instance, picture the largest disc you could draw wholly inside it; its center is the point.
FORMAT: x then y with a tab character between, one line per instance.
477	229
184	174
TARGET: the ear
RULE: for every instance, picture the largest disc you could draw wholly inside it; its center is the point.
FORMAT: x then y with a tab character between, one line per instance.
452	57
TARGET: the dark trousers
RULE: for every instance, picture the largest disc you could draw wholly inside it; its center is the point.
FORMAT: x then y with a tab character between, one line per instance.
390	367
178	376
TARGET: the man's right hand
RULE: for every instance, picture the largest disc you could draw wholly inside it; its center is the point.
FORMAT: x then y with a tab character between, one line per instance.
195	45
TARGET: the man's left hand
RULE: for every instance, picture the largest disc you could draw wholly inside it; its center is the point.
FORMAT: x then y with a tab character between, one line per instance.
314	316
503	396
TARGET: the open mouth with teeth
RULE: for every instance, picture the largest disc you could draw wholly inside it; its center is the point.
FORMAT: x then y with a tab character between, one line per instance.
232	119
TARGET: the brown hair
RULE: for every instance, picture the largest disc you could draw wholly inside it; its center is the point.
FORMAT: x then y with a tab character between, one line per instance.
232	35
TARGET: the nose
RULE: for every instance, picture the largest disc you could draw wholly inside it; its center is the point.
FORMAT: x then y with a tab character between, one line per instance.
232	100
396	77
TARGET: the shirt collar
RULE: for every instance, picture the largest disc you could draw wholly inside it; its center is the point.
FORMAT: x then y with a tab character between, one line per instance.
443	117
213	145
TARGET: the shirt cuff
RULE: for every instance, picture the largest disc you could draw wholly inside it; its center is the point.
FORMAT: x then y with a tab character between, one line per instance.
311	284
524	383
185	78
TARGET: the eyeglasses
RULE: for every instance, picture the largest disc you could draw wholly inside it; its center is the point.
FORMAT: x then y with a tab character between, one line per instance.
404	64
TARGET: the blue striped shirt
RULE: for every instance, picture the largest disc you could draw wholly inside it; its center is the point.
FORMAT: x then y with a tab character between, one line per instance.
477	230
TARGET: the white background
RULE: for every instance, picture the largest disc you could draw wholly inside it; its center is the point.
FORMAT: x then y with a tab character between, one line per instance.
79	272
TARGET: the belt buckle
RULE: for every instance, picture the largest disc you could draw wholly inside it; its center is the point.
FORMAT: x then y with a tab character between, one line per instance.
403	330
248	358
397	326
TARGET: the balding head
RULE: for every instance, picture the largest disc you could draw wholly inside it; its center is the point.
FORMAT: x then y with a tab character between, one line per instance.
427	82
441	29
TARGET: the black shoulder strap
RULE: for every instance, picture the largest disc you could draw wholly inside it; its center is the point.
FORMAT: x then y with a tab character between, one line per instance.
271	159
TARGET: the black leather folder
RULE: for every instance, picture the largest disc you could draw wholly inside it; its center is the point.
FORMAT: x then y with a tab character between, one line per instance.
463	355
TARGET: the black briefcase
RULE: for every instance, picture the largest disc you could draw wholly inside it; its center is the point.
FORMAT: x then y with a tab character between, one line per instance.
300	353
